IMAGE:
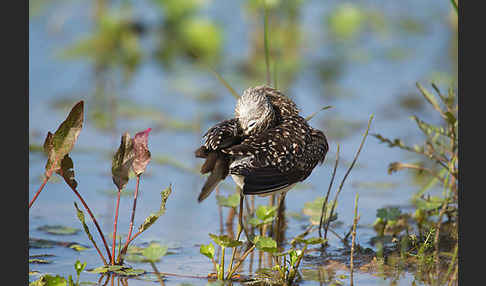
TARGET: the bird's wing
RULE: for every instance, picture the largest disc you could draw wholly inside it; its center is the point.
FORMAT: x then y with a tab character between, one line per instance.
223	134
281	156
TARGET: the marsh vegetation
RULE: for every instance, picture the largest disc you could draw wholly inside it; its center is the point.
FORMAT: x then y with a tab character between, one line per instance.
106	207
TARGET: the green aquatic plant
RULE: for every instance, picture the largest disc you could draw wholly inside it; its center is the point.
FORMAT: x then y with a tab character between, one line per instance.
434	236
132	156
223	241
49	280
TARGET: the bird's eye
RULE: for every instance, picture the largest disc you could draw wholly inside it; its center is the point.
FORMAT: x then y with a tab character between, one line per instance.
251	124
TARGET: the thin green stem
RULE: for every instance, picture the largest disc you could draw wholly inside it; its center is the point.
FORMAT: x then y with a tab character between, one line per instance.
454	4
265	41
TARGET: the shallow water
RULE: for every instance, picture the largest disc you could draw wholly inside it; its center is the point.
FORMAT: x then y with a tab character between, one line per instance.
374	84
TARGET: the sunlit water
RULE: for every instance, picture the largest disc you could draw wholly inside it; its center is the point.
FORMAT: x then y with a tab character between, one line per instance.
374	83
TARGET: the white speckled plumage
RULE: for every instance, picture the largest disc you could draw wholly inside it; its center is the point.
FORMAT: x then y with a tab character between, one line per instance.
268	146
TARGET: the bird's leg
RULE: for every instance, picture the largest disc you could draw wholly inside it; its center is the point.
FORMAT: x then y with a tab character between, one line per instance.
279	235
240	219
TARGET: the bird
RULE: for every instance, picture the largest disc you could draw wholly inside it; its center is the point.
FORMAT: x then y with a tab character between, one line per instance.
267	147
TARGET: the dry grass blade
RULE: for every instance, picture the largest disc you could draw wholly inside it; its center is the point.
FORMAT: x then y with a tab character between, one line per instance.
355	223
347	173
315	112
324	205
225	83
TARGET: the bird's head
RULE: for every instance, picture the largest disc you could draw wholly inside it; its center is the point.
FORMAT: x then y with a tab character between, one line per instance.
254	111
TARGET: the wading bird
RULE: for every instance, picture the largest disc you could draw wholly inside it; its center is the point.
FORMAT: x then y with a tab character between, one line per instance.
266	148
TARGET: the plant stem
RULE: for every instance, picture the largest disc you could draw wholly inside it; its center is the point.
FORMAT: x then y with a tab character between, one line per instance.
114	228
324	205
265	41
94	221
355	223
347	173
134	207
135	195
234	251
243	257
158	273
46	178
221	264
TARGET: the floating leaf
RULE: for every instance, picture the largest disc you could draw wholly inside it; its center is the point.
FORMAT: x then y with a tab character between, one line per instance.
122	162
141	152
48	280
117	269
310	241
314	209
207	250
59	144
154	252
266	244
225	240
39	261
58	229
77	247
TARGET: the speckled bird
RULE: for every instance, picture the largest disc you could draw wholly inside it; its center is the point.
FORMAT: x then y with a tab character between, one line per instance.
266	148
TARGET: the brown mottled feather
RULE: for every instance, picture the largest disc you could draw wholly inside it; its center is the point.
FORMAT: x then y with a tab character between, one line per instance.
284	153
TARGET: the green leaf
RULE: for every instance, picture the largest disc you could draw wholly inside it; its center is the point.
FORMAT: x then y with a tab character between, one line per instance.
155	251
314	210
59	144
254	221
48	280
207	250
265	212
153	217
314	240
389	213
232	201
225	240
79	267
80	215
58	229
294	256
430	98
432	203
266	244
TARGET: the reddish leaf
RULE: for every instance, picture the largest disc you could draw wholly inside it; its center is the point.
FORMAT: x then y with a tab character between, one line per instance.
59	144
141	152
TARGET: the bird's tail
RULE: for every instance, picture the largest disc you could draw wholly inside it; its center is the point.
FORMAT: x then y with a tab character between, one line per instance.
216	163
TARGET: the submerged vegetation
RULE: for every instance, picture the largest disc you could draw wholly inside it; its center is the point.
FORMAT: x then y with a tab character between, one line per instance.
275	245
